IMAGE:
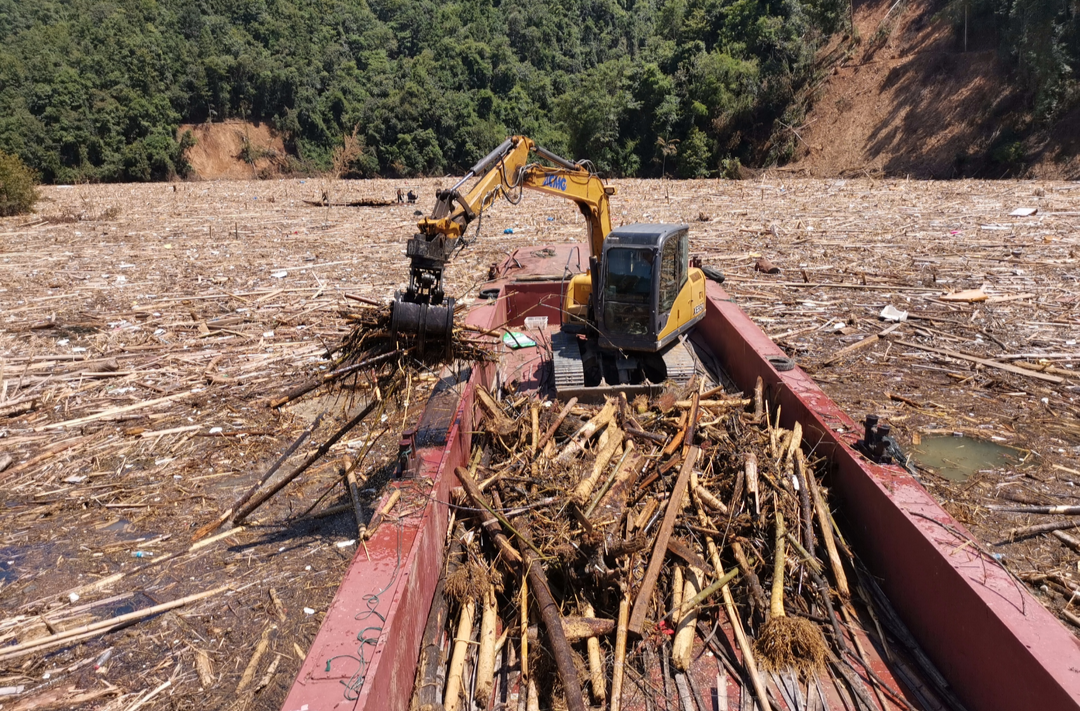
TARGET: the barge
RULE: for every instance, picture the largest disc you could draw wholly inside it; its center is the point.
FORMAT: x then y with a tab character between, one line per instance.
993	644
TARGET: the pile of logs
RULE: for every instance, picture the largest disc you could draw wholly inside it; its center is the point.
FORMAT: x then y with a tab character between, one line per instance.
629	530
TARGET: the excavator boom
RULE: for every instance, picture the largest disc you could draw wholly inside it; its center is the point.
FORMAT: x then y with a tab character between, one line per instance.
502	172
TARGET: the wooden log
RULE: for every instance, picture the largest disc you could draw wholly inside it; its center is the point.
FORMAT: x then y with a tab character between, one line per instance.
246	510
1070	541
759	399
677	440
579	628
613	502
757	593
354	494
650	436
379	516
677	547
426	693
577	443
736	623
253	664
523	624
710	500
691	423
984	362
549	614
1013	533
550	432
752	480
682	646
116	411
825	523
641	604
1064	509
610	441
499	423
534	413
596	665
807	507
869	340
727	403
487	518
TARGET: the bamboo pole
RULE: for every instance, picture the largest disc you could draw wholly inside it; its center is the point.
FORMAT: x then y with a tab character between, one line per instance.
452	695
618	669
825	523
485	665
103	626
736	623
682	646
247	510
596	664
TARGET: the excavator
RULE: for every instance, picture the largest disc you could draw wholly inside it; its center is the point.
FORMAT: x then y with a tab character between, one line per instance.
622	320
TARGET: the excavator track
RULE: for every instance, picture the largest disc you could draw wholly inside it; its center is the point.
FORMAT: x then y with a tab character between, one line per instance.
680	363
566	362
569	372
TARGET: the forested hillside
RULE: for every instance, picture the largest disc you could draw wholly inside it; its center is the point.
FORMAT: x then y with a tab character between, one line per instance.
92	89
95	89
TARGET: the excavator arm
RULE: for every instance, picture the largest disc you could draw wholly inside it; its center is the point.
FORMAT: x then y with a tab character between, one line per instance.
501	173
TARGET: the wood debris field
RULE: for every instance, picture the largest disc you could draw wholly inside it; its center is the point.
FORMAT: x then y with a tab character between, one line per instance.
146	330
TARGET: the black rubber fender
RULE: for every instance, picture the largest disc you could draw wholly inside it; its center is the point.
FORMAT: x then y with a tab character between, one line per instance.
714	274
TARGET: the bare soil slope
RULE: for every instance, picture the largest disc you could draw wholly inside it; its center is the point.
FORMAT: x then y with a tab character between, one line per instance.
234	150
904	98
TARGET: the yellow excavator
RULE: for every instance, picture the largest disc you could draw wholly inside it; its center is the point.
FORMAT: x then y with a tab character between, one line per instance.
621	320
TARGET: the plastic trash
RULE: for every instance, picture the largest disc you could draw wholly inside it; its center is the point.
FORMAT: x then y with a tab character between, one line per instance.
141	554
101	660
516	340
508	231
889	313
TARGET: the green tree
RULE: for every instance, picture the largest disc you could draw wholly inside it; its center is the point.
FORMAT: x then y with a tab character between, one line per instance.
17	186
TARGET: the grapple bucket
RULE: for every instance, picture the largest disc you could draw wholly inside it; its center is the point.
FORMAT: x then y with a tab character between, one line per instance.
431	326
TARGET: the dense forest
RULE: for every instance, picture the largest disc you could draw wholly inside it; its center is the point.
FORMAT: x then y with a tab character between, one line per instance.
95	89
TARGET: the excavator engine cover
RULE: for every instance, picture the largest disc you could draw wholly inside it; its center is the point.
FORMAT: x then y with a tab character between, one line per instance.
431	326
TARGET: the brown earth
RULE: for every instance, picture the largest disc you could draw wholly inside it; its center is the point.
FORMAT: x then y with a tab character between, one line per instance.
235	150
903	98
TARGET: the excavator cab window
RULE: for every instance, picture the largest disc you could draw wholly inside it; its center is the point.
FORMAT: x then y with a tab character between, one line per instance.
629	275
669	274
628	290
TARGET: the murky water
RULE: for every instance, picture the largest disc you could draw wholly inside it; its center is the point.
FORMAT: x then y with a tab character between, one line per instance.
8	559
957	458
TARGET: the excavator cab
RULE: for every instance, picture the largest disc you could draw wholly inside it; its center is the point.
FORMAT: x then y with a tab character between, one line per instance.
647	295
639	296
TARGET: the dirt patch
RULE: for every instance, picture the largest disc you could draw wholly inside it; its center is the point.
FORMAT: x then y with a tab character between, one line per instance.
235	150
905	98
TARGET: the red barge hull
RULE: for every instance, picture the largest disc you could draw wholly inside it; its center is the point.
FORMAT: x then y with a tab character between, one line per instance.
994	643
